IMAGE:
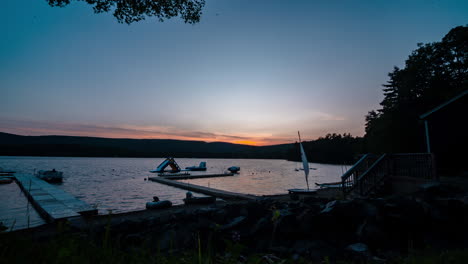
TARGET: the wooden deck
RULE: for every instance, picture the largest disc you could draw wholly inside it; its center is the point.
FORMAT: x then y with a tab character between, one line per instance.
186	177
205	190
51	202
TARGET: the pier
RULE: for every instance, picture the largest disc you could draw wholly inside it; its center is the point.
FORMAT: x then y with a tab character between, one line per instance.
188	176
51	202
205	190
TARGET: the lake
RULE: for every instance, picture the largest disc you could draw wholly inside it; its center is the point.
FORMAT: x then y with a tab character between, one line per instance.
118	184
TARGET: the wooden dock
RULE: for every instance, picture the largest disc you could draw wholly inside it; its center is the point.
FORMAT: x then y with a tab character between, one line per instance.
187	177
205	190
51	202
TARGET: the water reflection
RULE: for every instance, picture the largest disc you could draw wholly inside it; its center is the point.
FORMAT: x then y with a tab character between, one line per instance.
118	184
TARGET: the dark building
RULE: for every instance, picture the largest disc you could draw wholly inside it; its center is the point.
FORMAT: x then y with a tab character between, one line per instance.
446	132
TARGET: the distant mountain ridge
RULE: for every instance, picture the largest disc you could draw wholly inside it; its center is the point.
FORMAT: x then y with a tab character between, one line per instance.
69	146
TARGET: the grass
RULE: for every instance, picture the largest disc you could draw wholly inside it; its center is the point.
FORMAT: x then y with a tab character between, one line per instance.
78	248
83	247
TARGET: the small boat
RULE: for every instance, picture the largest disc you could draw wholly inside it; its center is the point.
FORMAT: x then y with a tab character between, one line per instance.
301	191
305	164
234	169
201	167
330	185
6	181
50	175
190	199
158	204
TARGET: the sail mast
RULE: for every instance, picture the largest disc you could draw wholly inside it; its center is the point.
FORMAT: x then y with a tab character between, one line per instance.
304	161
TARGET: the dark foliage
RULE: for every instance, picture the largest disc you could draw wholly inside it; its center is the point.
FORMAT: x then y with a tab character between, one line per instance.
67	146
128	11
333	148
433	74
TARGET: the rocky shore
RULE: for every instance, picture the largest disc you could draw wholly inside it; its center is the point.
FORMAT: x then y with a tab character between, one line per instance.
371	229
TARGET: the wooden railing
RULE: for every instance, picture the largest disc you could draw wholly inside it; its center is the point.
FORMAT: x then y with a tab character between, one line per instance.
418	165
374	176
369	173
350	177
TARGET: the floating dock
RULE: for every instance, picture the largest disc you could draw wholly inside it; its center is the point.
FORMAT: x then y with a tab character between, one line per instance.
51	202
186	177
205	190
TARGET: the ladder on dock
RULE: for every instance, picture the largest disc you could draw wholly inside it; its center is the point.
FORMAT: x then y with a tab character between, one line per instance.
51	202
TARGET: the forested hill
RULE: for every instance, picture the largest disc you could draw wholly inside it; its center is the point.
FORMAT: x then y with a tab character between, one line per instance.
16	145
333	148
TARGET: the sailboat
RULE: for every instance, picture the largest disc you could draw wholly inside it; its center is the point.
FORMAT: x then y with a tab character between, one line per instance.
305	164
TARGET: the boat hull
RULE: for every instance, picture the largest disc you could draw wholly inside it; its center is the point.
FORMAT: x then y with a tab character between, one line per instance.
200	200
158	205
50	176
6	181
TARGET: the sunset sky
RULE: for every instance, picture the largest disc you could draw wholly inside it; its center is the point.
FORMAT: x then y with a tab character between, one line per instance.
252	72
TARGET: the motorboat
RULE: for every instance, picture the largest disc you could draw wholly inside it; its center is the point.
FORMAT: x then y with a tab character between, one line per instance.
234	169
50	175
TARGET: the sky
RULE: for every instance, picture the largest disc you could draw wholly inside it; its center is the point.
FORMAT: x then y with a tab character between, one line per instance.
250	72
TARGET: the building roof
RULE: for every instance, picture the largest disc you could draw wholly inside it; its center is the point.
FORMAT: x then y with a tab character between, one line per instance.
424	116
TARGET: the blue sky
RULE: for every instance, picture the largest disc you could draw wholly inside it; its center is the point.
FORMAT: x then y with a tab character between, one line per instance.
250	71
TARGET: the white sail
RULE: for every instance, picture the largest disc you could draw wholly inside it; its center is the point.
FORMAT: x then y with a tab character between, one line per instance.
304	161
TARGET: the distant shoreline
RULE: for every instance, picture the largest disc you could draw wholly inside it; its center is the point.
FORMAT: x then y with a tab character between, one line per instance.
328	150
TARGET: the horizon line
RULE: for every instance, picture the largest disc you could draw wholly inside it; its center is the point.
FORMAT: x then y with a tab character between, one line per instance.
254	144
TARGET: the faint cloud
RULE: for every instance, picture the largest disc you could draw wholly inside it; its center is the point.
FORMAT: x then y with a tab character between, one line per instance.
327	117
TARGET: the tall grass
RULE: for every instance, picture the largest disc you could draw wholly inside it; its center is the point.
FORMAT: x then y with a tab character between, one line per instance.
71	248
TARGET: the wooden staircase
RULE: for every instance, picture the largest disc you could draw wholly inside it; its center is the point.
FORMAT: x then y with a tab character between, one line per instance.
371	172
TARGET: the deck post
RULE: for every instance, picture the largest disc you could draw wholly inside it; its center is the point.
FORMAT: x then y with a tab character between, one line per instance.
428	144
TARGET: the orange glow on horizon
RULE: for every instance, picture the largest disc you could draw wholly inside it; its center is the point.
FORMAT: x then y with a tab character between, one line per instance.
135	133
246	142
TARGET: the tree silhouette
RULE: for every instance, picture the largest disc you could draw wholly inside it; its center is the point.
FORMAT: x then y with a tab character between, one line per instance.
129	11
433	73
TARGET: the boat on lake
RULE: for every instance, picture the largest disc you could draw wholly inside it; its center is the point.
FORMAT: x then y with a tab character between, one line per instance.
330	185
234	169
6	180
305	163
201	167
50	175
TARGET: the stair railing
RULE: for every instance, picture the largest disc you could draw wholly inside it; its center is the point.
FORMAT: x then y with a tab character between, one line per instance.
374	176
349	178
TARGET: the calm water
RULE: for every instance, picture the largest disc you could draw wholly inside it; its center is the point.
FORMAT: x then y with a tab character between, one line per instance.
118	184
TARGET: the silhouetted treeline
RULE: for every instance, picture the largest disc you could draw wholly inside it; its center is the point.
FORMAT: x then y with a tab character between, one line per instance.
133	11
68	146
333	148
433	74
